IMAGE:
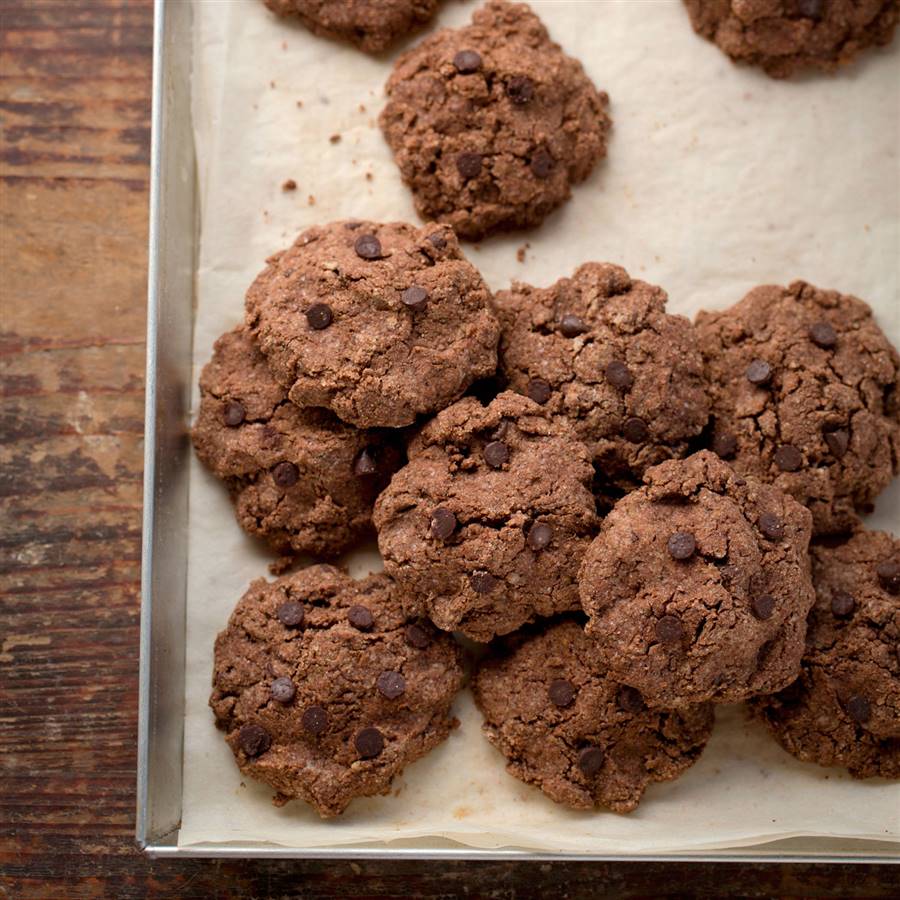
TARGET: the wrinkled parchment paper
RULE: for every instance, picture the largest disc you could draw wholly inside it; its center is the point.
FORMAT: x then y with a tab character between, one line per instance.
718	179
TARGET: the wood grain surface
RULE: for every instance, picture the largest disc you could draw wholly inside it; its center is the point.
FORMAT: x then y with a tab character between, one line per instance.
74	154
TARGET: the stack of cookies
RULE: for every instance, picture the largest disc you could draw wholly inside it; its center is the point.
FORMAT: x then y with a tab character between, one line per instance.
609	518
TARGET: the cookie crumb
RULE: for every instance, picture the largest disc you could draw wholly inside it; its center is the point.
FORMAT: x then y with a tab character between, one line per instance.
520	253
362	107
284	45
289	185
311	200
271	84
335	139
299	104
369	176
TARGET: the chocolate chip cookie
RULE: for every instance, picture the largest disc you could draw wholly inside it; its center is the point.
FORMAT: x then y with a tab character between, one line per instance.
599	349
805	394
783	36
698	585
485	527
844	709
378	323
582	738
491	124
326	690
300	478
371	25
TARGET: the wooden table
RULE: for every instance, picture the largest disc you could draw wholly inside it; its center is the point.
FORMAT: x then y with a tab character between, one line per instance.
75	105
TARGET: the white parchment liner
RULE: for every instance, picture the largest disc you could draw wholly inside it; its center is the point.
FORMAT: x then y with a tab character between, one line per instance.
718	179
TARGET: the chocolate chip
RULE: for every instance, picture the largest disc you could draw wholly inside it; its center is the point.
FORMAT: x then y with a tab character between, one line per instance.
888	573
314	719
319	316
724	445
496	453
291	614
360	617
443	523
233	413
417	636
811	9
771	526
571	325
858	708
837	442
367	246
681	545
669	629
541	164
635	430
369	743
539	536
254	740
619	375
468	164
415	297
562	692
788	458
285	474
467	61
762	606
391	684
282	690
758	372
438	241
590	761
842	603
501	430
482	582
539	390
365	463
520	89
822	334
630	699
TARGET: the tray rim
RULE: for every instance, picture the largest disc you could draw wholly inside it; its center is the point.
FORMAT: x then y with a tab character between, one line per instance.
159	842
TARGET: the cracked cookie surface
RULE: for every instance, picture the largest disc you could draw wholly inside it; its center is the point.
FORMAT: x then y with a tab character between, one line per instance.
379	323
326	690
599	349
491	124
698	585
300	478
844	709
805	392
584	739
783	36
371	25
485	526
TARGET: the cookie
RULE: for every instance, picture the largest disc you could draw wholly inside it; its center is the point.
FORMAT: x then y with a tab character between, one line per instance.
698	585
564	725
805	394
371	25
784	36
491	124
300	478
485	526
326	690
844	709
599	349
378	323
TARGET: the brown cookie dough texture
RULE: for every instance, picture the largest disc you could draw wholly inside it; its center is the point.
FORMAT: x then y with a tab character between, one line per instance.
371	25
782	36
485	527
326	690
599	349
492	123
378	323
300	478
806	395
582	738
698	585
844	709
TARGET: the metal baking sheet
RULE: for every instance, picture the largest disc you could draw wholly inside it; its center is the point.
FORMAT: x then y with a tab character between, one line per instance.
173	241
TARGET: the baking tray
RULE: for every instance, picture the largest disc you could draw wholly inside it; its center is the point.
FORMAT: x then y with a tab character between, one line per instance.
171	291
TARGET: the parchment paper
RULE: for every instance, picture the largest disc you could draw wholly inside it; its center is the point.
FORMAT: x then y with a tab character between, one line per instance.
717	179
